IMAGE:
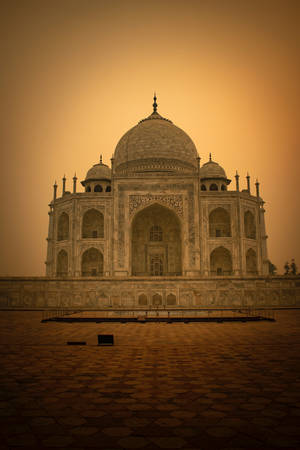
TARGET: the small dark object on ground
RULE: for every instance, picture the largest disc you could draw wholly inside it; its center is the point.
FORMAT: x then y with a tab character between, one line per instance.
105	339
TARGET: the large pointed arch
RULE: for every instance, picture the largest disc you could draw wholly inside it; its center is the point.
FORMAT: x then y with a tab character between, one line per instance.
156	242
219	223
92	224
62	264
92	263
251	262
63	227
220	262
249	225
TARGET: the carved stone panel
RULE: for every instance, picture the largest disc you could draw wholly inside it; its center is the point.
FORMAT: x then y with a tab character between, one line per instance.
173	201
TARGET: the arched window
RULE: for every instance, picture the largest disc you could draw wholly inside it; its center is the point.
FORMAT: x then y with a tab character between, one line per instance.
156	233
213	187
251	262
220	262
223	187
157	300
156	265
249	225
88	189
171	299
92	263
203	187
163	226
143	301
98	188
219	223
62	264
108	189
63	227
92	224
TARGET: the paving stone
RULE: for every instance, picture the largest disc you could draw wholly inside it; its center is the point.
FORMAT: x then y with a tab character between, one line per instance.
169	442
133	442
213	387
117	431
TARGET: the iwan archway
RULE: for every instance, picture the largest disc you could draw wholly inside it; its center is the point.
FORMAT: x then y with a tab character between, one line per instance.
156	242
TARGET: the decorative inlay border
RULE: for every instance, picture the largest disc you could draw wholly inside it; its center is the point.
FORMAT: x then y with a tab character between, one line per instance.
174	201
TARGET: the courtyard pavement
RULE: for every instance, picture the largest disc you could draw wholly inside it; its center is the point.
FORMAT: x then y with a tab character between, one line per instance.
161	386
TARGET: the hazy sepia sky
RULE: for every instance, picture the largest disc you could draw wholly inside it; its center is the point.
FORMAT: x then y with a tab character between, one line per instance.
76	75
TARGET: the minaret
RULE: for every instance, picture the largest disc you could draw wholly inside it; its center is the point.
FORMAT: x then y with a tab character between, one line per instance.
248	182
64	185
257	188
237	181
74	183
54	191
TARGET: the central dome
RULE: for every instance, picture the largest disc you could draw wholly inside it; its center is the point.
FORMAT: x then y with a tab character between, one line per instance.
155	144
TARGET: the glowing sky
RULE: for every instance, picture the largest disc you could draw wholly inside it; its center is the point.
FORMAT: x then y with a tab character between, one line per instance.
76	75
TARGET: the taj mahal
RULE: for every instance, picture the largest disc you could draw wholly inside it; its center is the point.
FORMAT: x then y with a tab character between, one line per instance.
157	212
158	228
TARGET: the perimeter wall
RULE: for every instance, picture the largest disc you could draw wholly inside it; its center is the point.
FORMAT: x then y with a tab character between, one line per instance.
43	292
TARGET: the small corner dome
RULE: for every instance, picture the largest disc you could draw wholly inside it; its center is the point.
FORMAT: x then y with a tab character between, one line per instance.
211	169
99	171
155	143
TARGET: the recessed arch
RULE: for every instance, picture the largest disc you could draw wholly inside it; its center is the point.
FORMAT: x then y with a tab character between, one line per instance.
157	300
219	223
203	187
108	189
143	300
251	262
220	262
171	299
63	227
62	264
213	187
92	263
88	189
223	187
92	224
249	225
156	242
98	188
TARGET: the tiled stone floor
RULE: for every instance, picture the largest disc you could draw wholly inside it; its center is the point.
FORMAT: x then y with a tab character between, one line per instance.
161	386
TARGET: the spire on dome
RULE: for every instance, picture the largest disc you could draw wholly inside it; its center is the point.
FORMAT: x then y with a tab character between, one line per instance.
154	104
210	157
101	159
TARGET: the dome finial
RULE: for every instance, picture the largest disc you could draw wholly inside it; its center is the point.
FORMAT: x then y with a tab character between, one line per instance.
100	159
210	157
154	104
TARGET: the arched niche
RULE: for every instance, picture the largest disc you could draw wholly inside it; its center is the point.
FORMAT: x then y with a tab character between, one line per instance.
92	224
92	263
157	300
249	225
156	242
220	262
143	300
171	299
63	227
98	188
219	223
62	264
213	187
251	262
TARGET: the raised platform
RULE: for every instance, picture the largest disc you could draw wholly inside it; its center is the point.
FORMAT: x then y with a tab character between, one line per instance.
134	292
